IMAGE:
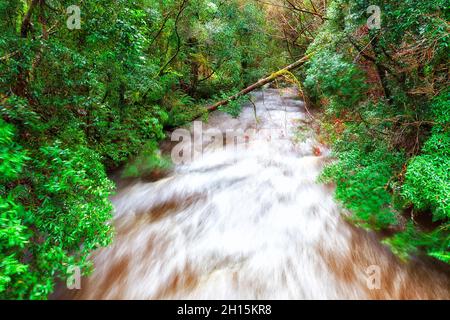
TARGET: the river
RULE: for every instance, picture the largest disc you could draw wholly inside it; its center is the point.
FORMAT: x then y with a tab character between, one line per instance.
249	221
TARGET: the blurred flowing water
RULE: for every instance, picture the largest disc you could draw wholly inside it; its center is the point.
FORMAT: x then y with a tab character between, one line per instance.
249	222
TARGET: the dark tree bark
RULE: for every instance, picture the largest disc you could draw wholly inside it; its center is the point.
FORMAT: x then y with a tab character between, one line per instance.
20	87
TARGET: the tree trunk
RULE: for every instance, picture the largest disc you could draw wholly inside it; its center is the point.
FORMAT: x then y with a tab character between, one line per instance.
20	87
260	83
381	70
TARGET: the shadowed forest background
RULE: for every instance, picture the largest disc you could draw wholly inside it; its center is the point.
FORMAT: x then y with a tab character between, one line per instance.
77	104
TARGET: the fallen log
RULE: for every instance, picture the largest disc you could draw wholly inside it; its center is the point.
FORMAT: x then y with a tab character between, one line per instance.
260	83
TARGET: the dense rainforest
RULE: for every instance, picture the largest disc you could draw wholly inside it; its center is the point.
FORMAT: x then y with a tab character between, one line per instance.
86	86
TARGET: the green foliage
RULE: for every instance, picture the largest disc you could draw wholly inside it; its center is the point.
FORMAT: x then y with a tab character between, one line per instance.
233	107
76	103
363	173
427	182
387	116
147	161
54	203
183	109
13	234
330	75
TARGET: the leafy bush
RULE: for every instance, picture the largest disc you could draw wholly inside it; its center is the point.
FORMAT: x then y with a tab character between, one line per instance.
76	104
54	204
328	74
387	117
427	181
363	173
14	235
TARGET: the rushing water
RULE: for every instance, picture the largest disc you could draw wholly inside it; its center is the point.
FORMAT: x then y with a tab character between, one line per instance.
250	222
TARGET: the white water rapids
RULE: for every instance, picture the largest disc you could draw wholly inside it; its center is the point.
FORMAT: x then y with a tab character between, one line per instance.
249	222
